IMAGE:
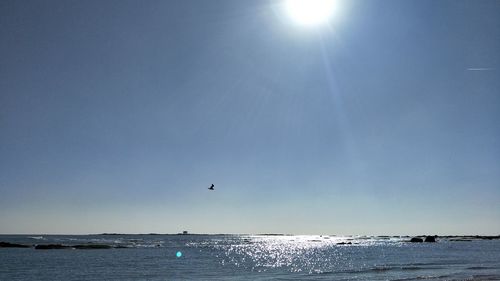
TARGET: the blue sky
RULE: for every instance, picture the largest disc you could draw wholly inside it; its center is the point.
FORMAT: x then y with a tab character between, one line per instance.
115	116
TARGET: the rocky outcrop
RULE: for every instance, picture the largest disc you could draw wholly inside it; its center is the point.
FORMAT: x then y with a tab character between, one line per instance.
79	247
51	247
12	245
60	246
416	240
92	246
430	239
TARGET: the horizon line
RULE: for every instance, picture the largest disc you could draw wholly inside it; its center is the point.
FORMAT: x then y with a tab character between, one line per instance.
262	234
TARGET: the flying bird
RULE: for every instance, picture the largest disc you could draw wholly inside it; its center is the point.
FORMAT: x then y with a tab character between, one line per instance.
211	187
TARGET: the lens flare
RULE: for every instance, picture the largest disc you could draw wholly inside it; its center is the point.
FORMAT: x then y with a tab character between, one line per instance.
178	254
310	12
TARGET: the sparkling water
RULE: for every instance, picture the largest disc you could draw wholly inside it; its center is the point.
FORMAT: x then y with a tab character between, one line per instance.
248	257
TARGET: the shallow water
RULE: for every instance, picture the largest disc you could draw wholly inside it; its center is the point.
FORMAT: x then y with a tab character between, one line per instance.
249	257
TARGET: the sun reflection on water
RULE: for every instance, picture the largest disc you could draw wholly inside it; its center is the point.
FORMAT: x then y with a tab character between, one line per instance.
298	253
306	254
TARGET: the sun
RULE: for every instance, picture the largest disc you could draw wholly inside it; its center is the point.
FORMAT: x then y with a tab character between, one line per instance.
310	12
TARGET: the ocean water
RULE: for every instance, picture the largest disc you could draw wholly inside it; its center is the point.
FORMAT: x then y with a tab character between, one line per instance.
248	257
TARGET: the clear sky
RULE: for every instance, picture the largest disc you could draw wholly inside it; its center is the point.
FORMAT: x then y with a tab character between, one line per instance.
116	116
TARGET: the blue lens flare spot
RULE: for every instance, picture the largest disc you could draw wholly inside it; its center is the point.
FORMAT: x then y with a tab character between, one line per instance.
178	254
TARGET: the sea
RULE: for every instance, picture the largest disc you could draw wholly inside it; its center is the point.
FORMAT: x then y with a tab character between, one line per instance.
248	257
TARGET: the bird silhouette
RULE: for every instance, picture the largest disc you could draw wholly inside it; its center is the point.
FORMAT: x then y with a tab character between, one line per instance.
211	187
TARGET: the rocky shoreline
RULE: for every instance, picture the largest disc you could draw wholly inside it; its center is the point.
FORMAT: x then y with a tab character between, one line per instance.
60	246
415	239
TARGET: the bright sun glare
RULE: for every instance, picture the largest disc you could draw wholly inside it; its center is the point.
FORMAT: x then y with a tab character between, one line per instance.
310	12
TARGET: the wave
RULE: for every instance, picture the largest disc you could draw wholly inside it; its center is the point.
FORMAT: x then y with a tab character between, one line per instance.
478	267
427	277
37	237
452	277
484	277
388	268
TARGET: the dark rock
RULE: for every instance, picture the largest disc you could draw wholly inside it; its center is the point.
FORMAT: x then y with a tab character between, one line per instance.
416	240
344	243
51	247
489	237
430	239
92	246
12	245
